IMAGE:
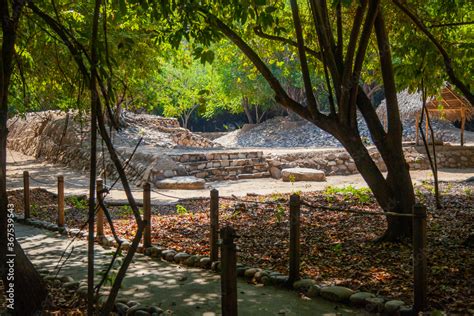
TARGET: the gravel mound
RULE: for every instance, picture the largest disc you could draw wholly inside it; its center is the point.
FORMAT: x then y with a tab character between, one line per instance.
283	132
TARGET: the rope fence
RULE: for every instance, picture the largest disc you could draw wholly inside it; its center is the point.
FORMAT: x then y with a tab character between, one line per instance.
294	205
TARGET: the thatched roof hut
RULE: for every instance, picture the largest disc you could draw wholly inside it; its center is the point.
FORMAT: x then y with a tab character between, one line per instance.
446	105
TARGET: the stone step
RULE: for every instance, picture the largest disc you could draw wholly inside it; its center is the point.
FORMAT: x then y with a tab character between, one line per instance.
198	157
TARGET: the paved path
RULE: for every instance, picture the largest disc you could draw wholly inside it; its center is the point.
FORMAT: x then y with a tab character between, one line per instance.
77	182
185	291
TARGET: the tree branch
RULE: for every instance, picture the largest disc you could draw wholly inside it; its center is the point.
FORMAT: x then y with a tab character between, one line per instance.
258	31
312	103
465	88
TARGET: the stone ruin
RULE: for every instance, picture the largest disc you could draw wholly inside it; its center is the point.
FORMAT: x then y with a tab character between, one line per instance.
172	157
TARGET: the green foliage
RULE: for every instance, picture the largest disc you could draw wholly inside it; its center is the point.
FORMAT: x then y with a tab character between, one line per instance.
279	213
182	211
77	202
347	193
35	210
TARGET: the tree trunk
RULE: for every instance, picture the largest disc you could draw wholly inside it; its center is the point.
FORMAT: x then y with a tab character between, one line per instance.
248	113
29	290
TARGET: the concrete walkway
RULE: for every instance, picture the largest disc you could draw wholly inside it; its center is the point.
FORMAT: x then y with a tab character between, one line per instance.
185	291
77	182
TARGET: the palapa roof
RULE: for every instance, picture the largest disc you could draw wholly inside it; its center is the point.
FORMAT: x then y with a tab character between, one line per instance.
448	105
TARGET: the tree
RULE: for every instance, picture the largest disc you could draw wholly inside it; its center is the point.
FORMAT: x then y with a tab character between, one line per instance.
322	43
29	289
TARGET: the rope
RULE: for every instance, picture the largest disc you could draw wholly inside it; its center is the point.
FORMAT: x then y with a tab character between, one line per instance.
40	181
236	199
358	212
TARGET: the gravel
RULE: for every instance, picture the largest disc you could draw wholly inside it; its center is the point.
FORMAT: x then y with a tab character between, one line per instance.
283	132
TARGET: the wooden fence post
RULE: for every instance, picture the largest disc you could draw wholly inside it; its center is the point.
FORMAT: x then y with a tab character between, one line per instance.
26	194
60	201
294	255
214	218
100	211
228	272
147	215
419	258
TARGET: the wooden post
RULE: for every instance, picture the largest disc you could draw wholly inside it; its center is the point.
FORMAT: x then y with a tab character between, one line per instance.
419	258
147	215
60	201
214	219
26	194
417	128
100	211
228	272
294	269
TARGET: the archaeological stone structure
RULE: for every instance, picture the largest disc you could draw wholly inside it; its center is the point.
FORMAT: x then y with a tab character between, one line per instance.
163	150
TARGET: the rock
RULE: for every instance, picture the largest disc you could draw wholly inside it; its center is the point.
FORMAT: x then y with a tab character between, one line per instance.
216	266
336	293
155	252
374	304
180	257
168	254
393	306
303	284
275	172
278	280
141	313
132	303
191	261
181	183
134	309
121	308
302	174
250	272
125	245
205	263
359	298
66	279
241	270
71	285
82	291
313	291
259	275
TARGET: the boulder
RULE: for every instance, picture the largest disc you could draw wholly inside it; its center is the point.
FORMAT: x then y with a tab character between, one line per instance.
314	291
302	174
336	293
180	257
374	304
250	272
121	308
168	254
205	263
303	284
392	307
181	183
275	172
359	298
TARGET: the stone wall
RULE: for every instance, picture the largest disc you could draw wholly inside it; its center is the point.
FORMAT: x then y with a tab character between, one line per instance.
339	162
224	165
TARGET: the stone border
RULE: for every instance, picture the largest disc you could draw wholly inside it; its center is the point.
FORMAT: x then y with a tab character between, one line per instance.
309	287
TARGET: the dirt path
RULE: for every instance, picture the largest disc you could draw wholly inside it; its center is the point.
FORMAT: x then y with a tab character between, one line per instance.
185	291
44	176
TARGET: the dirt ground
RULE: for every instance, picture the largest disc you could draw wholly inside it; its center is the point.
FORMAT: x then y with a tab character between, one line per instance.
76	183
